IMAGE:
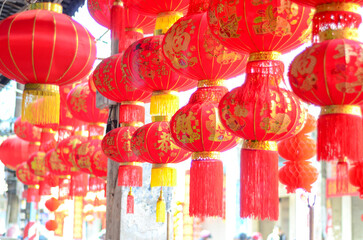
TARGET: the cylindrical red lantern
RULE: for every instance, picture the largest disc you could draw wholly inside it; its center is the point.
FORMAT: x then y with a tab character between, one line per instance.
44	49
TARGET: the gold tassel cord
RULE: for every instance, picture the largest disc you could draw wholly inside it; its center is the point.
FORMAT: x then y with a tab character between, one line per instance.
163	176
41	104
160	208
165	20
164	103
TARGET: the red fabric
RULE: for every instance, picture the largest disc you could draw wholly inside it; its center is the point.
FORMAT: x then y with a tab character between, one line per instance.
117	26
45	47
259	184
81	102
25	176
36	164
26	131
96	184
100	10
356	177
249	26
154	144
44	188
310	124
65	117
129	176
297	148
298	174
196	127
110	80
51	179
147	70
32	194
51	225
206	188
154	7
52	204
65	149
14	151
191	50
83	154
130	113
260	111
117	145
327	73
78	185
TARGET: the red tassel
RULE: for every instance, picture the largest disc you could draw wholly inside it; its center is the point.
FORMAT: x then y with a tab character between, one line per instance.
130	176
130	203
32	194
206	188
342	176
335	134
96	184
259	184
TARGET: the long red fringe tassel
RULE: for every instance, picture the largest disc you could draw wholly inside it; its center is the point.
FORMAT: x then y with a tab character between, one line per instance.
206	188
259	184
130	203
32	194
96	184
342	176
130	176
131	113
335	134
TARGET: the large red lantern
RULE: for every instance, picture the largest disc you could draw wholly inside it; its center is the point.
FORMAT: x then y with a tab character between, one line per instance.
297	171
44	49
14	151
262	114
196	127
248	26
26	131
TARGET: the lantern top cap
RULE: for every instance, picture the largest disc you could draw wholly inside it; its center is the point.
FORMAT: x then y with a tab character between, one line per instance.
54	7
264	55
338	6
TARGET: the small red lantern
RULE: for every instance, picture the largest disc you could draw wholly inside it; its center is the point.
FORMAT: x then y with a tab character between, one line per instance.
26	131
117	146
52	204
44	49
248	26
356	177
14	151
51	225
153	143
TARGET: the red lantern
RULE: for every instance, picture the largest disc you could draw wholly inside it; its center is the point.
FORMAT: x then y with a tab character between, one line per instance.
262	114
36	164
356	177
14	151
117	146
55	164
52	204
153	143
26	131
65	149
81	102
51	225
99	163
196	127
155	7
248	26
44	49
191	50
111	81
340	118
298	148
25	175
83	152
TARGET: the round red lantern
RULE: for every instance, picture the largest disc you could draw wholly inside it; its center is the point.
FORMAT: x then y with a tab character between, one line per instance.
81	102
25	175
248	26
84	152
196	127
153	143
52	204
99	163
298	148
26	131
44	49
36	164
14	151
51	225
117	145
111	81
191	50
340	118
55	165
65	150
